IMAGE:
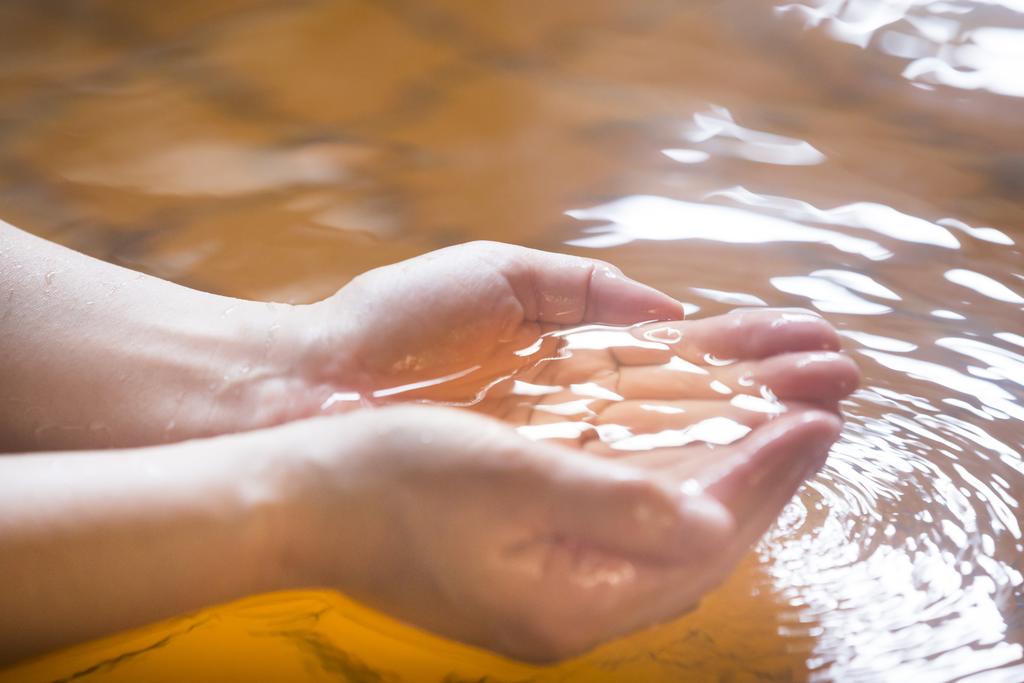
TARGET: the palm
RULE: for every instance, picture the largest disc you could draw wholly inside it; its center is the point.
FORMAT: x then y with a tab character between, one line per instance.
618	391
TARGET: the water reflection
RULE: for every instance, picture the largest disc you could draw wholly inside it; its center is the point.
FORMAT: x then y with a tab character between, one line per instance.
943	40
878	218
900	534
827	296
903	558
991	59
984	285
717	133
662	218
862	157
218	168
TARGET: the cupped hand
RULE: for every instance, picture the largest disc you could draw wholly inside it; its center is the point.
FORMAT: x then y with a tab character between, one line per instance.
459	310
454	522
447	325
497	328
533	546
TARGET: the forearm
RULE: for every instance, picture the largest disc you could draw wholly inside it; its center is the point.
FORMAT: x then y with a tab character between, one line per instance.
95	355
97	542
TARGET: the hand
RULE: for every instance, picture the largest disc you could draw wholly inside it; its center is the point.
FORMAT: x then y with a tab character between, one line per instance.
453	522
450	311
446	519
474	314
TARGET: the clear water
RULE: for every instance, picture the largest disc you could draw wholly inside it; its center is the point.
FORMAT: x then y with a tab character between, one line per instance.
861	157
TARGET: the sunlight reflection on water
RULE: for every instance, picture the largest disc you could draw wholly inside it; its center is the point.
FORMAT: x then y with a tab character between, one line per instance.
859	157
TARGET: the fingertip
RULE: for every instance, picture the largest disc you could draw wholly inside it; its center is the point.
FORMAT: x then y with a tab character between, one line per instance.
711	523
618	299
837	368
821	430
781	454
802	453
820	377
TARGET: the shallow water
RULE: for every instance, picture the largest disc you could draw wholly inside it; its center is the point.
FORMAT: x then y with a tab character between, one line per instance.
864	158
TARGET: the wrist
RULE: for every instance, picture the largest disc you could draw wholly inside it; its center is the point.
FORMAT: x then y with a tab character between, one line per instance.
282	532
335	528
262	365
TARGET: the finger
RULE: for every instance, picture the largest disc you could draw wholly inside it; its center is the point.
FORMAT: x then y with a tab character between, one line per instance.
621	511
771	472
742	335
764	471
567	289
616	299
820	377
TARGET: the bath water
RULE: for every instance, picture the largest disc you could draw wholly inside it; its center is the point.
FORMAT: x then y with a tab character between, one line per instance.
862	158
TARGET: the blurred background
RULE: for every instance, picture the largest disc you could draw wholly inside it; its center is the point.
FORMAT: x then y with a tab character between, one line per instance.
861	157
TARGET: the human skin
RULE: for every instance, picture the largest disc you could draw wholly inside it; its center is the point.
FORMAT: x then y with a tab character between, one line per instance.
443	518
94	355
407	508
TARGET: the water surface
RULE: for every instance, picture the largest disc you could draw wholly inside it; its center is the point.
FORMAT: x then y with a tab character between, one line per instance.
864	158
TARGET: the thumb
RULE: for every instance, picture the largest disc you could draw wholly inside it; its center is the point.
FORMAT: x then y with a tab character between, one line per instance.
616	299
558	288
624	511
